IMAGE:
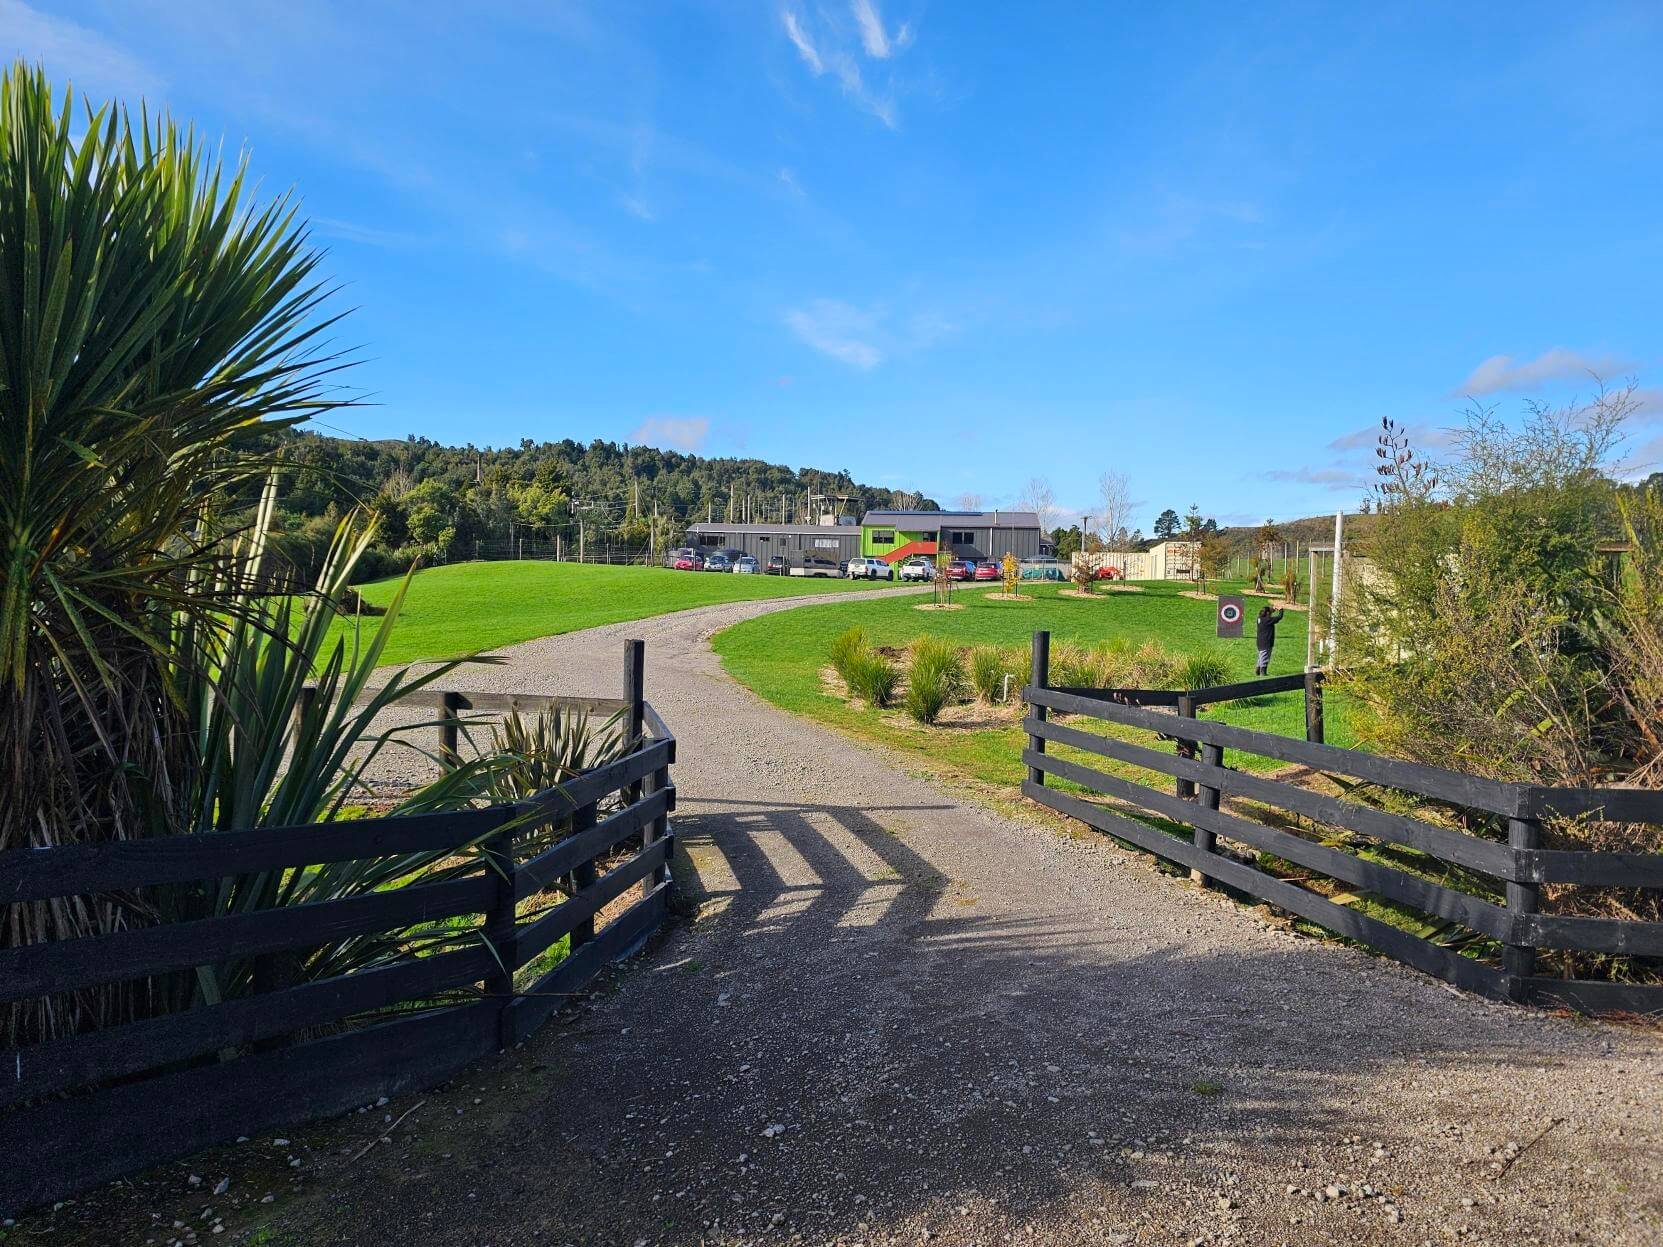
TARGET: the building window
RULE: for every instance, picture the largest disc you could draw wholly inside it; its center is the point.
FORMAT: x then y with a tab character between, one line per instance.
962	539
709	539
883	537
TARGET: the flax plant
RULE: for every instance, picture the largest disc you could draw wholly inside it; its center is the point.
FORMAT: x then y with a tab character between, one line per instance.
153	323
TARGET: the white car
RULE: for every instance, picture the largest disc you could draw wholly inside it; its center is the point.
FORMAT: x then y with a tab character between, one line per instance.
918	569
869	569
745	565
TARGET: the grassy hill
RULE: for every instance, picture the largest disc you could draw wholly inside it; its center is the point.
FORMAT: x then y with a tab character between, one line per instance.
466	608
1243	541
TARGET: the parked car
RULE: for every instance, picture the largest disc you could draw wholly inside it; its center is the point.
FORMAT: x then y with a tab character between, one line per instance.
1108	572
958	569
987	569
692	561
918	569
814	565
869	569
718	562
745	565
673	557
778	565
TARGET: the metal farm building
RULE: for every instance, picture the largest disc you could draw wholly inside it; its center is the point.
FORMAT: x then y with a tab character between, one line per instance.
888	535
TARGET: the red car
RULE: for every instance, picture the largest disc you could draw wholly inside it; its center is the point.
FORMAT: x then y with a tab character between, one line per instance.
958	569
689	563
988	571
1108	572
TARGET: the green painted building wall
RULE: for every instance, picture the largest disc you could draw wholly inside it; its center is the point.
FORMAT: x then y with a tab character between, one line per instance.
873	549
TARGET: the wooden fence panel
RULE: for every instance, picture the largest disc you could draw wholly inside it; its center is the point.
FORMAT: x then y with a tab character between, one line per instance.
91	1107
1201	783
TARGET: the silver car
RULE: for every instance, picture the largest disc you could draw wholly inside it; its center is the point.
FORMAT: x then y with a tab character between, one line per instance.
745	565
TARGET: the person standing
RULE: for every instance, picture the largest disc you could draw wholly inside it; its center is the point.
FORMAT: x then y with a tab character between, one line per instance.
1266	636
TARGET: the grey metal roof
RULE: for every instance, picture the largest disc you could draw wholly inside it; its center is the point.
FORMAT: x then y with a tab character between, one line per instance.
935	519
818	530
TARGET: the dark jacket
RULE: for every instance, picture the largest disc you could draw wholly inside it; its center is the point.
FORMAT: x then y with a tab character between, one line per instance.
1267	629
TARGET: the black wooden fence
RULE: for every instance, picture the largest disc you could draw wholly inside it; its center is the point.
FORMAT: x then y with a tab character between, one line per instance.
79	1111
1203	780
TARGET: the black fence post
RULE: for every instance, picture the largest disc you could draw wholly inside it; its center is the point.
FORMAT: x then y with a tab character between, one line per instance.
450	704
1206	841
635	713
499	926
1523	899
582	876
1313	707
1184	748
1039	677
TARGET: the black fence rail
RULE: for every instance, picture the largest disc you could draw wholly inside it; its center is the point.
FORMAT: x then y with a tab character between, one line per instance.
80	1111
1203	780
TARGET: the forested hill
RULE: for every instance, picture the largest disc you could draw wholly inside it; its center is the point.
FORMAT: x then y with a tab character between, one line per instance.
455	501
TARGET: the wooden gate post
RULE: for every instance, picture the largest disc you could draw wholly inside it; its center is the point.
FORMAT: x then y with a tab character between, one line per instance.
1313	707
1523	899
1039	677
449	723
1184	748
1206	841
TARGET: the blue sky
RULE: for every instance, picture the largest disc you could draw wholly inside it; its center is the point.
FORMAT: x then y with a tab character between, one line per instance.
951	247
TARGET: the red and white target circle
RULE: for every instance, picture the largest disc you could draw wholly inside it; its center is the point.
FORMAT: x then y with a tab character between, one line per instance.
1230	613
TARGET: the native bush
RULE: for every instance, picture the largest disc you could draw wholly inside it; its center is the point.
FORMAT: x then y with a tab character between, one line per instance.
1204	669
987	672
847	649
872	678
935	678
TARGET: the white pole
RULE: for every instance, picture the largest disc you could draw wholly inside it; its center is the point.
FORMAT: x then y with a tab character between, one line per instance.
1311	614
1334	592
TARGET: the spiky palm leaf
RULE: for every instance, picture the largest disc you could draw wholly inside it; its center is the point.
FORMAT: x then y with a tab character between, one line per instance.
152	325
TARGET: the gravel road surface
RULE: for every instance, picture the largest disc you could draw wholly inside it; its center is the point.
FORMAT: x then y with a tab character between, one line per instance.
898	1017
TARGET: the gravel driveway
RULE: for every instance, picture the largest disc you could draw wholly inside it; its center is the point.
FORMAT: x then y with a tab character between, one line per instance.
900	1017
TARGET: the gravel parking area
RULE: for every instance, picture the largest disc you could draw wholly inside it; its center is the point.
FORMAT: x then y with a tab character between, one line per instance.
896	1017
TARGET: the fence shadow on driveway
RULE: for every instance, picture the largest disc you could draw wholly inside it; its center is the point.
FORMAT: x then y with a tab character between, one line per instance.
982	1056
998	1045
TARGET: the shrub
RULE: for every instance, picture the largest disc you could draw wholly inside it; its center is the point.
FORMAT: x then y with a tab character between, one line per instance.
935	679
1203	670
1154	666
848	649
1070	664
987	672
872	678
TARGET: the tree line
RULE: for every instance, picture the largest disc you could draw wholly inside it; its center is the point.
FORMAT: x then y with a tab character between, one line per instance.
441	503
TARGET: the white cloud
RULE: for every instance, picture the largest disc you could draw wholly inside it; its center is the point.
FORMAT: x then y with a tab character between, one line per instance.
805	48
1421	437
864	337
368	235
839	330
1502	372
788	179
873	37
832	51
73	53
1337	479
672	432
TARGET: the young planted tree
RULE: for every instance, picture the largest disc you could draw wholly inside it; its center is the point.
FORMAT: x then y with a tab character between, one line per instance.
1010	571
1114	500
1264	542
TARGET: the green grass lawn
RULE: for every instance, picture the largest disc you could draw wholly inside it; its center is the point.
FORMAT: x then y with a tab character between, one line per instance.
781	657
470	607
